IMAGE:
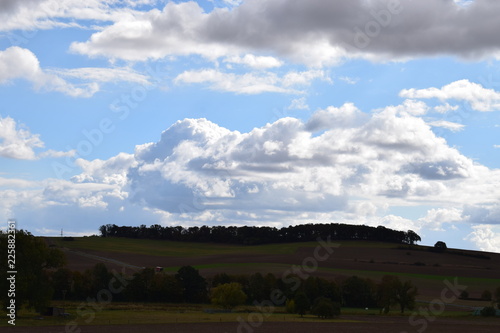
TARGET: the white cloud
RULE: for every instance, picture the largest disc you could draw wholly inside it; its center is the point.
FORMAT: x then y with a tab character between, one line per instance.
251	83
480	99
257	62
48	14
298	104
454	127
19	63
485	237
349	80
496	146
16	141
445	108
346	116
57	154
436	217
102	74
342	165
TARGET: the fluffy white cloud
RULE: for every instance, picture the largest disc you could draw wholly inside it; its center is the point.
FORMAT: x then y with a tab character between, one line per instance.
436	217
16	141
486	237
480	98
19	63
341	165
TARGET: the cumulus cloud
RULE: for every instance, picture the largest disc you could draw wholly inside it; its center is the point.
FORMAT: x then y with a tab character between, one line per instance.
315	32
16	141
485	237
19	63
480	98
436	217
341	165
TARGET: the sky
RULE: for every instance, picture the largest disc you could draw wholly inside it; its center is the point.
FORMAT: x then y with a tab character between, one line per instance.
258	112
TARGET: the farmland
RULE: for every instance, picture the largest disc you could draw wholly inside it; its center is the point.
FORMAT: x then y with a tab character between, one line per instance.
372	260
429	271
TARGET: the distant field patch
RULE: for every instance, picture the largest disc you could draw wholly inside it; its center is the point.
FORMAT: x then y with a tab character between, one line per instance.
174	249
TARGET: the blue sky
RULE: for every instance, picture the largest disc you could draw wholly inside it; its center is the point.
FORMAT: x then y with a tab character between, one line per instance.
227	112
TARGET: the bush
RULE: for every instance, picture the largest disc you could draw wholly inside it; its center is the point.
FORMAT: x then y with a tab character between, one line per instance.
290	306
488	311
440	246
228	295
325	308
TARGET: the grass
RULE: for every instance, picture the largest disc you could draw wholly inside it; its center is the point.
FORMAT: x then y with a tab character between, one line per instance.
154	313
82	314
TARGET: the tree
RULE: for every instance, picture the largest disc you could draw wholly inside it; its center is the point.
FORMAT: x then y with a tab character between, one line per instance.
486	295
440	246
405	295
228	295
302	304
358	292
194	286
488	311
33	261
497	297
386	292
412	237
324	308
290	306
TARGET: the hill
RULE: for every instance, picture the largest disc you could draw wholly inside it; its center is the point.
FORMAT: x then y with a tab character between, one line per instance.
428	270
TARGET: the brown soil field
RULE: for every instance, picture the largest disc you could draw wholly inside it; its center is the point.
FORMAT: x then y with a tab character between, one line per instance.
356	324
347	258
350	258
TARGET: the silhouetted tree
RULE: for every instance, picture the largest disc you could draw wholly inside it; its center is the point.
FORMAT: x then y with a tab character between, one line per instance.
302	304
33	261
194	286
440	246
324	308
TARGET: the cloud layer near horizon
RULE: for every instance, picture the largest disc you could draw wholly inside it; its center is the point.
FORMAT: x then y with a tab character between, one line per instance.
341	165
